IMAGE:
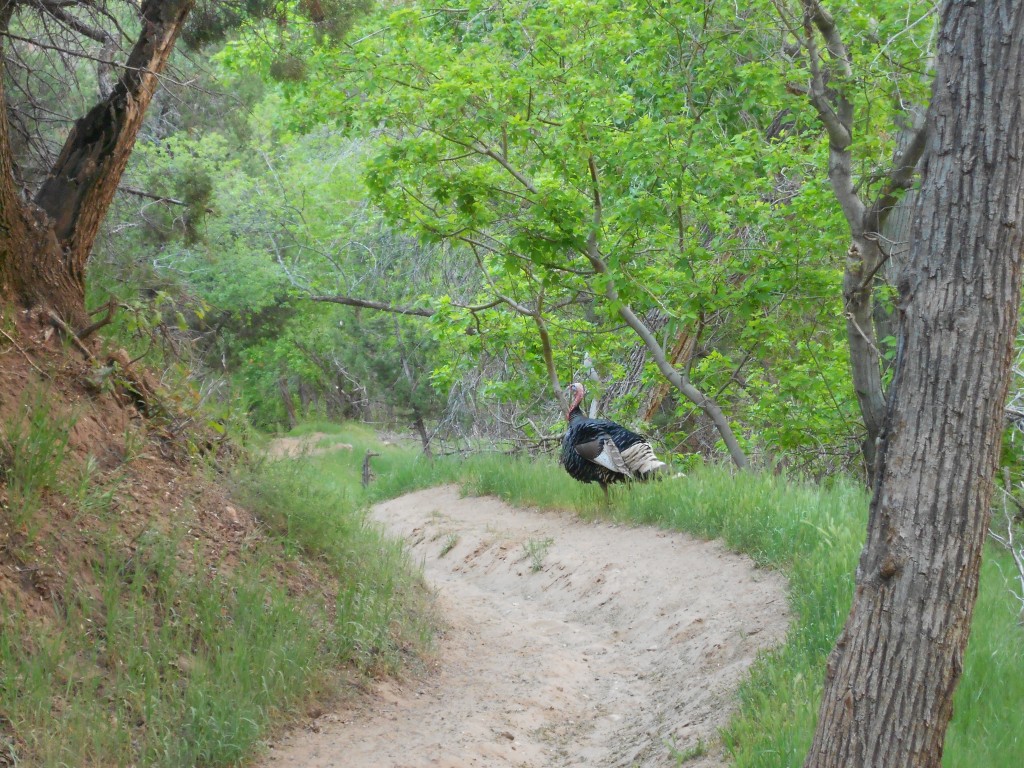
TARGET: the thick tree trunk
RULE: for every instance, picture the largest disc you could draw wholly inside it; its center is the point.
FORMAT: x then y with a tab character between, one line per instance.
890	681
49	267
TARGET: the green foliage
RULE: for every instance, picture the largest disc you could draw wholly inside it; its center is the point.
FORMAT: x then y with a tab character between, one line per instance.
212	21
472	130
496	149
536	550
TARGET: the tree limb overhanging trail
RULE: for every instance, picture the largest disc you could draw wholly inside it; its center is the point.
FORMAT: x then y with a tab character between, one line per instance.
678	379
891	677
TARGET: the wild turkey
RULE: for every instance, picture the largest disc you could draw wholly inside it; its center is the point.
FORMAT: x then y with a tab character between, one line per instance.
601	451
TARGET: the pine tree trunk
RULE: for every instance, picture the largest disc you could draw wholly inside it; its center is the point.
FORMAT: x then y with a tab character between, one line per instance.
891	677
43	258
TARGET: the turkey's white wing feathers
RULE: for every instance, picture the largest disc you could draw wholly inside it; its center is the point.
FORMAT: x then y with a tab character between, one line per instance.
603	451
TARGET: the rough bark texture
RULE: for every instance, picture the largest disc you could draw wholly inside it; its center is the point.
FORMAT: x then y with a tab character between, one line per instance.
890	680
44	259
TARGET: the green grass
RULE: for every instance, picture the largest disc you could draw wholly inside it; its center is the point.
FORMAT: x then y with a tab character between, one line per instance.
33	448
157	656
153	665
321	514
986	727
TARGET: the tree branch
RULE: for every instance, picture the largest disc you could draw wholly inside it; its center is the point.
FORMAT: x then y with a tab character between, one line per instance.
158	198
77	24
834	109
80	186
682	383
350	301
901	177
504	163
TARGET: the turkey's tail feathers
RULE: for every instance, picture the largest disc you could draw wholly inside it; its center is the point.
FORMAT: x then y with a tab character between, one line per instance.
641	460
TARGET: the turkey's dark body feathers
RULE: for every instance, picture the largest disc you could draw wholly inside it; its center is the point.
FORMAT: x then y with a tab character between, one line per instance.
601	451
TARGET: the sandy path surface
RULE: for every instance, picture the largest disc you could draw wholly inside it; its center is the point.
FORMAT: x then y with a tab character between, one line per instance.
568	643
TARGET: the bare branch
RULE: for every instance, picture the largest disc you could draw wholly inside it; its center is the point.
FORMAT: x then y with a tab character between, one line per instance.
351	301
834	109
158	198
77	24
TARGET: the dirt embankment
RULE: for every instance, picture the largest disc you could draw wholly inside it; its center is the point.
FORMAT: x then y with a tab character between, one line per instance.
568	644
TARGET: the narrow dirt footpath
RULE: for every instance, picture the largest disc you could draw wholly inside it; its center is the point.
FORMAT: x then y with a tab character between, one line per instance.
567	644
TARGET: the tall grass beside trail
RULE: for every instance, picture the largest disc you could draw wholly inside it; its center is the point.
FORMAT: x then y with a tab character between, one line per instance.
157	656
322	514
813	534
154	666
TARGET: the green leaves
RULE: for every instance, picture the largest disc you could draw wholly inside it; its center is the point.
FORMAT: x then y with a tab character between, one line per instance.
491	154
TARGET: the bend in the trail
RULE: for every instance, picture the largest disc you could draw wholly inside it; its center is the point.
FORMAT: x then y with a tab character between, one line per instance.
568	644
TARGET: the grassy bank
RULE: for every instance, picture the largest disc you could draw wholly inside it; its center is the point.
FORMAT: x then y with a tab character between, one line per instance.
149	620
811	533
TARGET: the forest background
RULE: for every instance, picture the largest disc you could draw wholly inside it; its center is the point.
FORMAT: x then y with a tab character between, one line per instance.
394	225
438	165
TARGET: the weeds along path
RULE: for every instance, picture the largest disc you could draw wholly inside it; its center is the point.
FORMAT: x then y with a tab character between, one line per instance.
567	643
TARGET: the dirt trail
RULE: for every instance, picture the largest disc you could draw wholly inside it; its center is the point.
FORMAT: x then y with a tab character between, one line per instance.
568	644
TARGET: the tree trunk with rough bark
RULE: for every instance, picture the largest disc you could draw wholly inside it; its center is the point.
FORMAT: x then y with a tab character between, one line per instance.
891	677
45	244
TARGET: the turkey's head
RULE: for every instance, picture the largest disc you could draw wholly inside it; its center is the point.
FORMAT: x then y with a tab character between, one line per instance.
576	393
